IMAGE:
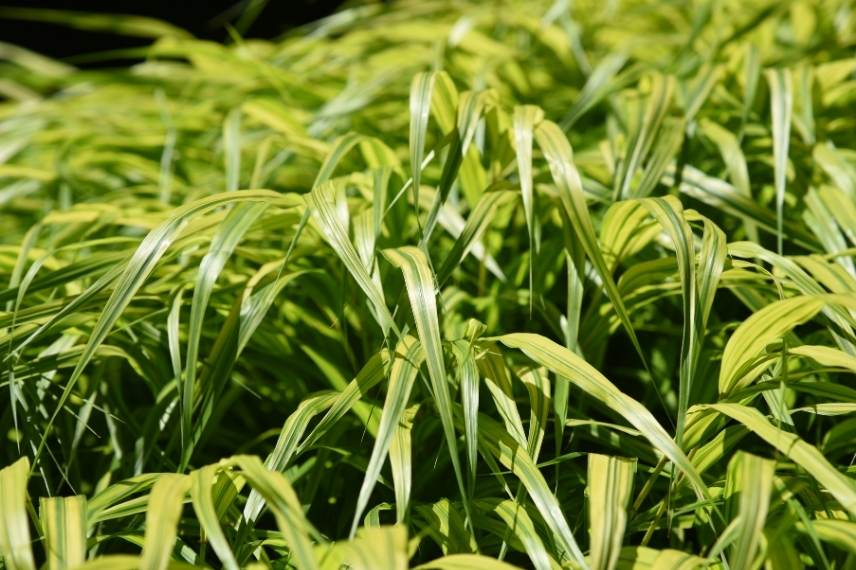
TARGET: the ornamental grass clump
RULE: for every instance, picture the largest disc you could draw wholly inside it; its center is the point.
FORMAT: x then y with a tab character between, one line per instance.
435	285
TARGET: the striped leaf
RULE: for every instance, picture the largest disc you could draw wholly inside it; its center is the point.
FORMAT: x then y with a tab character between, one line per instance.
781	104
670	217
839	532
280	496
162	514
520	523
513	456
465	562
610	482
748	485
803	454
202	486
14	523
401	461
755	333
381	548
562	361
229	233
643	558
409	355
642	137
559	156
526	118
735	164
322	201
64	524
421	89
138	268
419	280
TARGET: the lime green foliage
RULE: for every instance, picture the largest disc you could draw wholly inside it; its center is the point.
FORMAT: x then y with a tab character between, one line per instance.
440	284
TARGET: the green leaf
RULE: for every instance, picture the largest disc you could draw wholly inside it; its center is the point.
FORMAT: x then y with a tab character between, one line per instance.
381	548
643	558
739	366
735	164
665	147
465	562
202	486
288	443
460	133
64	525
598	84
748	485
421	89
469	381
513	456
475	225
610	482
138	268
162	514
838	532
559	156
232	149
781	104
670	216
229	233
419	280
322	202
287	510
644	133
124	24
562	361
401	461
803	454
520	523
409	355
526	118
14	523
112	562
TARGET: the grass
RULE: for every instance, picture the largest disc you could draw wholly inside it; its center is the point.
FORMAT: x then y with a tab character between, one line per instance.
435	285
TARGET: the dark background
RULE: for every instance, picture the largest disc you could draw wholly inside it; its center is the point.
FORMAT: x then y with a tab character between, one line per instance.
206	19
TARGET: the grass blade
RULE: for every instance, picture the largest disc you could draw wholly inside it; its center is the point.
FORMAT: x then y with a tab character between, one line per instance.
14	524
758	331
401	461
202	484
421	89
405	366
610	485
562	361
138	268
750	481
519	522
419	281
381	548
162	514
465	562
803	454
64	525
559	156
513	456
644	133
288	511
525	120
781	104
229	233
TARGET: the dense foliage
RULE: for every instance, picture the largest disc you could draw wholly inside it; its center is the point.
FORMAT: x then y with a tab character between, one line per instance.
453	284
